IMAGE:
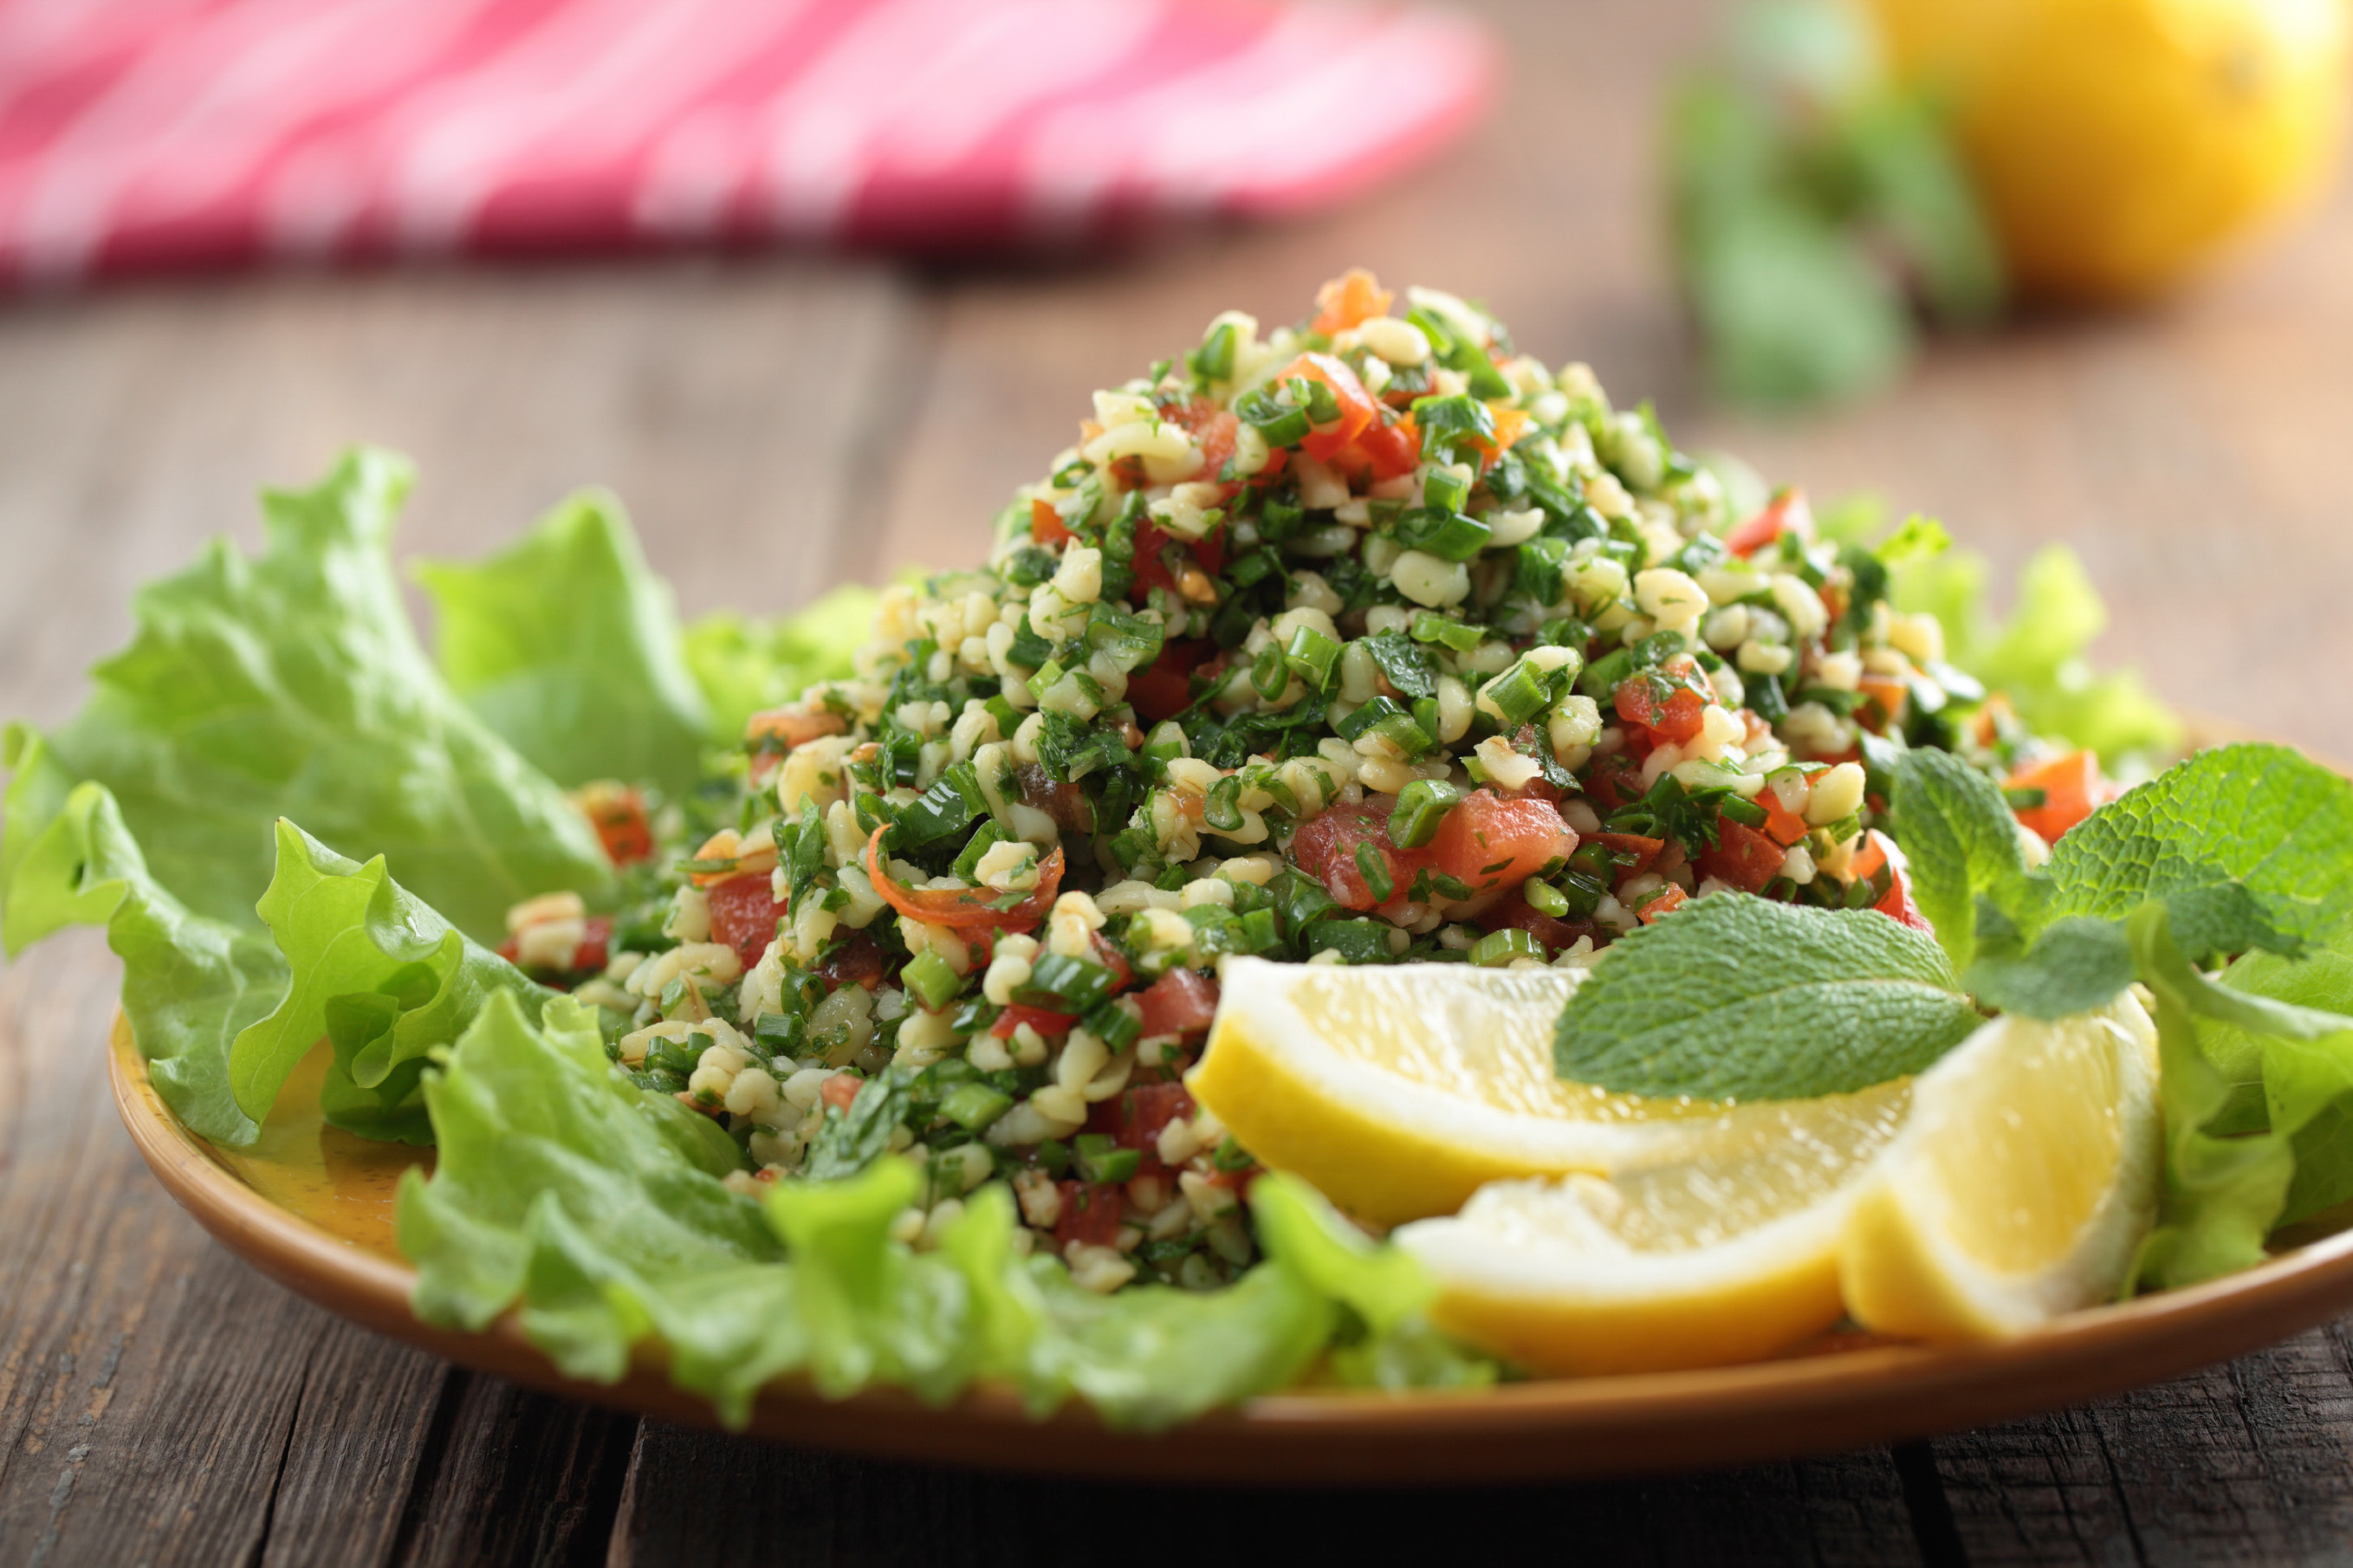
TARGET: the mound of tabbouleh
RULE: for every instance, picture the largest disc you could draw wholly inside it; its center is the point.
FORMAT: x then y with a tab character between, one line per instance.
1368	639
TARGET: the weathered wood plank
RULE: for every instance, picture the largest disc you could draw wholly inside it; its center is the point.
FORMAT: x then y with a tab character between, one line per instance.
695	1498
2245	1463
516	1477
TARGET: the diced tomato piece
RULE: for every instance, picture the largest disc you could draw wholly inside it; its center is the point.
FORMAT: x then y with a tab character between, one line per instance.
1745	856
1552	931
840	1089
1785	511
622	825
1490	841
1511	424
1896	904
1163	688
1108	954
1782	825
1348	300
964	907
1143	1114
743	914
2071	786
1045	1020
856	959
596	945
1090	1213
1213	431
1326	850
1665	901
1046	525
1357	409
1388	451
1614	780
1889	696
1676	716
1181	1002
1645	852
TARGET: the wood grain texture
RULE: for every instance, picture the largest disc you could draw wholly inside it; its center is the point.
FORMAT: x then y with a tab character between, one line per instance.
779	425
841	1513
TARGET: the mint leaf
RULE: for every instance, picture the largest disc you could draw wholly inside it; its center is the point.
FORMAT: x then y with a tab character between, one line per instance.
1740	998
2259	816
2077	965
1962	842
568	646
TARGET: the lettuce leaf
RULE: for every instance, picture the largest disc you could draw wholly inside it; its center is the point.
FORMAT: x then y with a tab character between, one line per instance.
565	1192
381	975
568	646
745	665
291	685
2038	657
190	983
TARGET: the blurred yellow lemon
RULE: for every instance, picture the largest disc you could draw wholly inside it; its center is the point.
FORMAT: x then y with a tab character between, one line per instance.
2117	145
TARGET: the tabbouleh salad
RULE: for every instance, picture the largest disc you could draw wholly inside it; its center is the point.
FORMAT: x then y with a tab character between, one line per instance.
1368	639
841	1014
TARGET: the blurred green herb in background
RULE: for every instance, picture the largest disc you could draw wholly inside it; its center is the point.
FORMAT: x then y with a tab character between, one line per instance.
1817	206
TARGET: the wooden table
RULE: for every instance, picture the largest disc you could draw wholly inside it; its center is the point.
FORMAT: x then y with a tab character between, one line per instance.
783	424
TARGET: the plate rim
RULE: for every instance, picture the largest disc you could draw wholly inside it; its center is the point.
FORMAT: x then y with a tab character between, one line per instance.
1541	1429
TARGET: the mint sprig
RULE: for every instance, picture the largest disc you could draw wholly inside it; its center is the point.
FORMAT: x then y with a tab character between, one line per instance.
1962	842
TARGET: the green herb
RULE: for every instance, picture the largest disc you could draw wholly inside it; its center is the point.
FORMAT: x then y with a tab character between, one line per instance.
851	1140
1736	998
1962	843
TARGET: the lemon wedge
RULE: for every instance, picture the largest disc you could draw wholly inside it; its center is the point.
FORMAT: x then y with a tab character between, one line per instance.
1398	1092
1726	1251
2021	1184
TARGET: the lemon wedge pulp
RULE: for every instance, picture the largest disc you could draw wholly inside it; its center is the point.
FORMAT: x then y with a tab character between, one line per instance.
1400	1091
2022	1185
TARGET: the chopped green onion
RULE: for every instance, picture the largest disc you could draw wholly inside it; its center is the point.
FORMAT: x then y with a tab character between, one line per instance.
1223	810
1519	694
1101	1159
927	974
1404	731
1450	536
1544	898
974	1106
1054	1156
1065	985
1277	520
1374	869
1113	1024
1747	812
1594	858
1498	948
1444	489
1269	673
1214	360
1420	806
2025	799
1430	626
1581	894
1232	1156
1314	656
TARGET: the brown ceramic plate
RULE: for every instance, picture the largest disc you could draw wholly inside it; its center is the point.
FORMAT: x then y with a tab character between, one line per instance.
312	1207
